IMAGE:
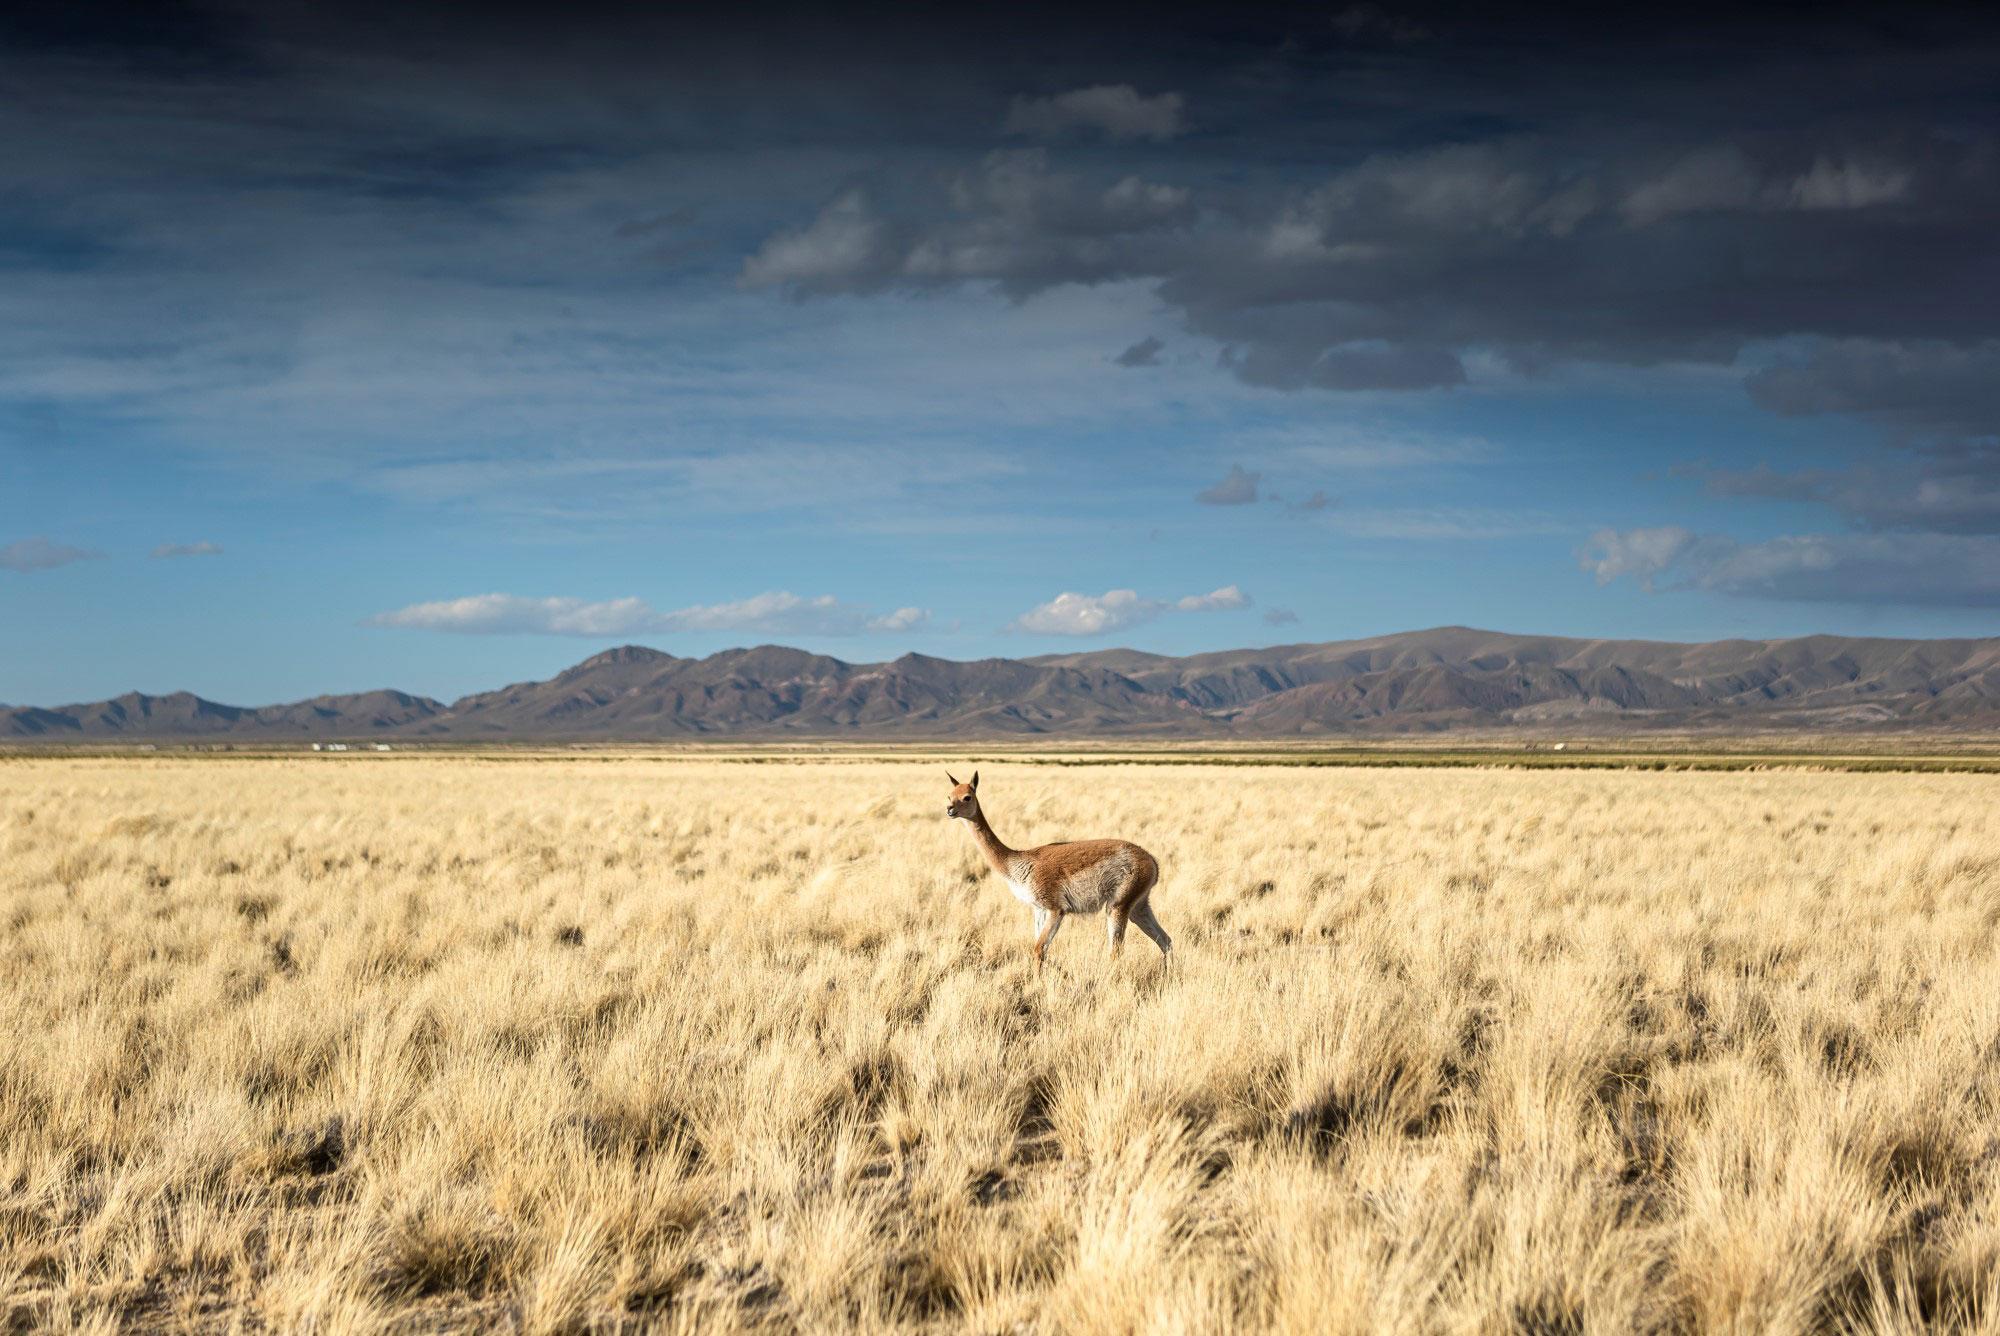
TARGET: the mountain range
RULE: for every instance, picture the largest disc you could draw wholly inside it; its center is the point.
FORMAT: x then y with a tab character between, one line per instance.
1419	681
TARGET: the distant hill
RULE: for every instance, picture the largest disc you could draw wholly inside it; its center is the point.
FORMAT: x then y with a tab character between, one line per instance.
185	715
1418	681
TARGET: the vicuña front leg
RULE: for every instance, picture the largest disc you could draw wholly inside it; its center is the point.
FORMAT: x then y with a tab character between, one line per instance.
1050	922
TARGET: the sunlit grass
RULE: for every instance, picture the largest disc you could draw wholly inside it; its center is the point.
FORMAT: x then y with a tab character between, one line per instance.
687	1043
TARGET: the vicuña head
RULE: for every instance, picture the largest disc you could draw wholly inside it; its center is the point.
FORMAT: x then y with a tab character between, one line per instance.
1077	877
963	801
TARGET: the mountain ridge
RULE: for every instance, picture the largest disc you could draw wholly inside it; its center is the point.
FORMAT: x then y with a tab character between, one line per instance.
1436	680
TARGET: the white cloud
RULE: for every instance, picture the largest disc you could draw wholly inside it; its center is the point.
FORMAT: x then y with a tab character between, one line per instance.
1702	181
845	239
500	614
1848	185
201	549
39	554
1223	599
776	612
1070	614
1073	614
902	619
1118	111
1640	553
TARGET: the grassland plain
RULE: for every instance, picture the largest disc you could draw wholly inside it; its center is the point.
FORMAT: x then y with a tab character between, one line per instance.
364	1043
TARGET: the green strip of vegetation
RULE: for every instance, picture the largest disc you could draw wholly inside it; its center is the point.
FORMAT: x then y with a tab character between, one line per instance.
1975	758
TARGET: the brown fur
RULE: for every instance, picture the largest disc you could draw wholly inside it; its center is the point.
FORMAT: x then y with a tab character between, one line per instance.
1073	877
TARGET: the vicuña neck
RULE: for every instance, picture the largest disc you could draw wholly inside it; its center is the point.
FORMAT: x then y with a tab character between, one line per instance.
989	844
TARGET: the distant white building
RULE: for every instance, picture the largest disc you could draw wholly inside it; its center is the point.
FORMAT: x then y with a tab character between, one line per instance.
1560	746
336	746
381	746
316	747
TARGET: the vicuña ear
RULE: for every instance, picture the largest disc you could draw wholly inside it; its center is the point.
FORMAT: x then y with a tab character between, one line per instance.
975	781
954	778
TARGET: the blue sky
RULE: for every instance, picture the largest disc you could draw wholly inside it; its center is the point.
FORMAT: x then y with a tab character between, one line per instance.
327	366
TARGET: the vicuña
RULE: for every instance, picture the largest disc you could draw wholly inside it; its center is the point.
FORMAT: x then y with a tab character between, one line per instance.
1077	877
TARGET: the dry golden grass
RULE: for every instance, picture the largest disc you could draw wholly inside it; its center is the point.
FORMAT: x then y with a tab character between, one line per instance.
361	1043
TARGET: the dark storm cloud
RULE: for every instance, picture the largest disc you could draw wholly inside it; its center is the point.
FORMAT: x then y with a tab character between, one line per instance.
1938	405
1146	352
1916	492
1365	21
1349	198
1590	246
1932	392
1373	198
1013	220
1673	188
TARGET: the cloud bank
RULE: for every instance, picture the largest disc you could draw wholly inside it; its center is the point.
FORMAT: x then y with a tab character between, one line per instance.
777	612
1925	569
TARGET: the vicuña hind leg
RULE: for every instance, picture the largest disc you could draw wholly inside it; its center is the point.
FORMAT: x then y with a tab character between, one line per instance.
1114	928
1142	918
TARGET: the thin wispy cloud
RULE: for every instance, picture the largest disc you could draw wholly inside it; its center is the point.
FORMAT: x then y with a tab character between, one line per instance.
1897	569
41	554
201	549
1302	456
1641	554
1311	505
1439	523
1238	487
778	613
1343	448
1117	111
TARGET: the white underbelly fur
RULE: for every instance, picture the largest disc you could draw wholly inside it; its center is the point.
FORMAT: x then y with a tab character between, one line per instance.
1022	891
